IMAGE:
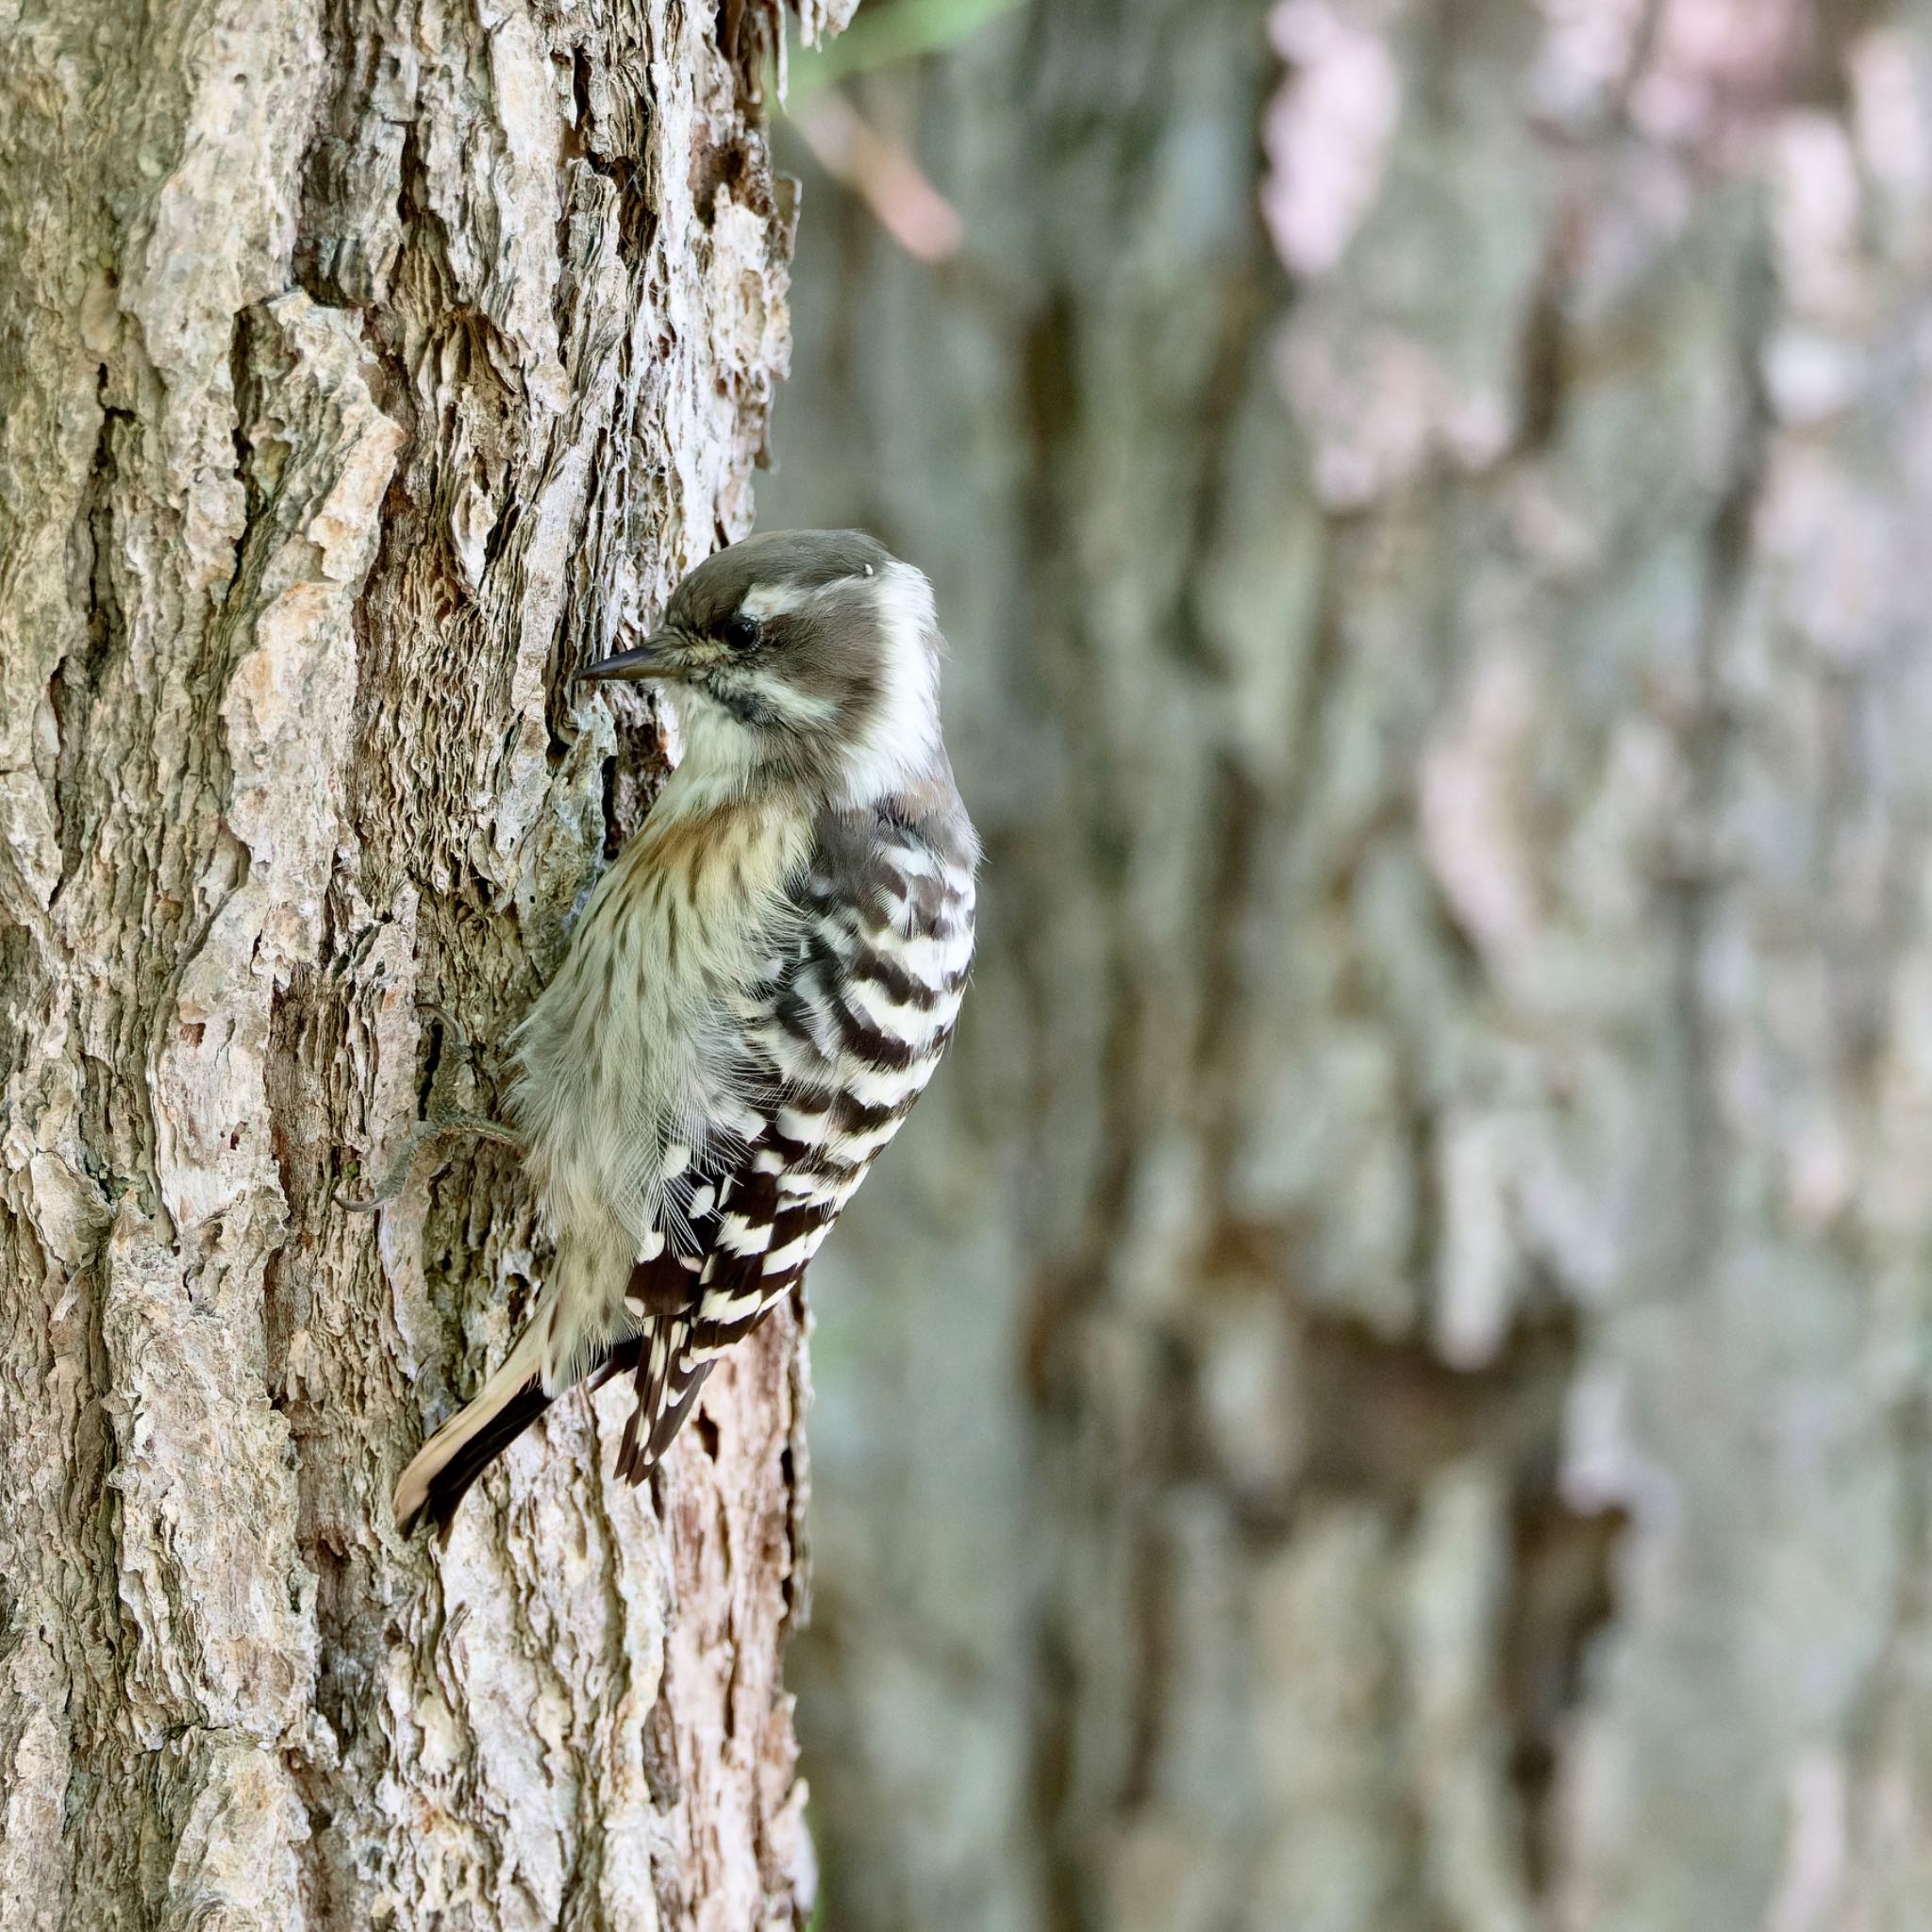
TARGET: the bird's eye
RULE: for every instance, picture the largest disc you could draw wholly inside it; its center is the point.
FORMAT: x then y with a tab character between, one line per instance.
739	631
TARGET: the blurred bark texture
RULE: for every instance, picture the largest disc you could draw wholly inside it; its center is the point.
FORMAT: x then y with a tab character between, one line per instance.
1391	1394
358	362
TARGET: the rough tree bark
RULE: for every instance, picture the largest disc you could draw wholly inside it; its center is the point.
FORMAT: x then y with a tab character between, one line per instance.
1431	515
359	362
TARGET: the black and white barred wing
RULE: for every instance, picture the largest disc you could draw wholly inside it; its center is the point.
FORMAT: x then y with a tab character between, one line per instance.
846	1030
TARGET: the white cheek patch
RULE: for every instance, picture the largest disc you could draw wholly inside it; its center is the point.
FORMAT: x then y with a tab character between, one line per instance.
759	688
901	740
798	709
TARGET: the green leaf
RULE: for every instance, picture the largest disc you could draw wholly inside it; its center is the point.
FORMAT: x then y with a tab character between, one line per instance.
882	36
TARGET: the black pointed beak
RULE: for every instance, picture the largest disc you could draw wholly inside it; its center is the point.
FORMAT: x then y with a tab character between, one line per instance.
650	660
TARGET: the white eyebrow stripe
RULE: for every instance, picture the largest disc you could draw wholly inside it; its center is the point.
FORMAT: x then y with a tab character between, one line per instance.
774	600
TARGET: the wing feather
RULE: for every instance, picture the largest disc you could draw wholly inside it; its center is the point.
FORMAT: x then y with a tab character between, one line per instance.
845	1031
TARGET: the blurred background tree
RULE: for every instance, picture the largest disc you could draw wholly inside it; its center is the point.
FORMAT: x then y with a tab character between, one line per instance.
1386	1390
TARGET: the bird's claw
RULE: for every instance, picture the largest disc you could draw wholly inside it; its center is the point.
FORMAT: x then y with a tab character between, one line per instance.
425	1134
438	1124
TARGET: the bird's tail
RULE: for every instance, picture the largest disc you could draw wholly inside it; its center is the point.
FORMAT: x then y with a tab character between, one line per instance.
669	1373
441	1473
668	1381
568	1335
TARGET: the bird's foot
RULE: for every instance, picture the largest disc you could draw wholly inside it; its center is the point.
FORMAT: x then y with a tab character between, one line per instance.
456	1043
451	1110
422	1135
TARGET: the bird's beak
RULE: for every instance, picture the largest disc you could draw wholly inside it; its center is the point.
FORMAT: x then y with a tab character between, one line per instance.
652	659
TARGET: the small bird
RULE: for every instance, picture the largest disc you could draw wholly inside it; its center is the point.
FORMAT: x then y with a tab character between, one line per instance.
757	993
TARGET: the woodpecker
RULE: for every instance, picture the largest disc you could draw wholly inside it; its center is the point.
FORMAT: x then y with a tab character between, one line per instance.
756	994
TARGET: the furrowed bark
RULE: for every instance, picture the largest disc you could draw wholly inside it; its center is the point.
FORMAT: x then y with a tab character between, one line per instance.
360	364
1428	503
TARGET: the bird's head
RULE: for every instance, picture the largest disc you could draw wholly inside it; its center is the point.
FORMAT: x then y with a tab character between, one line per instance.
807	656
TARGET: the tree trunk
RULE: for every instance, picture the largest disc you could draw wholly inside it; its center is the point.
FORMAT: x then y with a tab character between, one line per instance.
361	363
1431	518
